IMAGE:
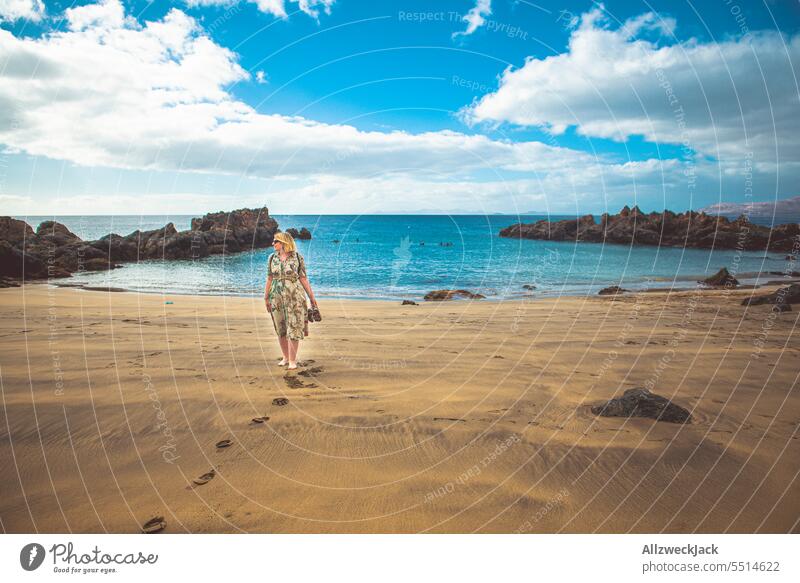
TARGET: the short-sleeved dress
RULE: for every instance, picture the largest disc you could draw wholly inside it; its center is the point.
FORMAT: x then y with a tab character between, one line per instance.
286	296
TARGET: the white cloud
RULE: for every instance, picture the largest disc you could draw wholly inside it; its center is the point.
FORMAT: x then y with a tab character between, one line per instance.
475	18
261	77
111	92
722	99
12	10
104	16
596	188
274	7
155	96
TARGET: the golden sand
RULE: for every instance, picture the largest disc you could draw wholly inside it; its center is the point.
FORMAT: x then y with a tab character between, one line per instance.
443	417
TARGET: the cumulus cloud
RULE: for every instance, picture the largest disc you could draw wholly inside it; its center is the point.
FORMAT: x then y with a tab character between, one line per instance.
723	100
112	92
12	10
274	7
109	91
475	18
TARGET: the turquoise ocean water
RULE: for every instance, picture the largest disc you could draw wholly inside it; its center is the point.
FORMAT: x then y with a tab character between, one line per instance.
405	256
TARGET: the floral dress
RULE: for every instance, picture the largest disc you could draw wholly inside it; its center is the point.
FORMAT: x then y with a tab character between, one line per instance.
286	296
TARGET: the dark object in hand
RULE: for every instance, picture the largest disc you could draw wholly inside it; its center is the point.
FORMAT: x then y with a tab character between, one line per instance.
314	315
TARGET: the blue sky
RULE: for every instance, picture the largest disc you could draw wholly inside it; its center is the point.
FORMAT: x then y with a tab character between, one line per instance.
114	107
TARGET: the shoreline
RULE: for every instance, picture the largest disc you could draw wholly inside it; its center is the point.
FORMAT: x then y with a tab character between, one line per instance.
659	286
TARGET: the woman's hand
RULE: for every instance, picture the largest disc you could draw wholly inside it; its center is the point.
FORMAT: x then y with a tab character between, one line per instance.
266	301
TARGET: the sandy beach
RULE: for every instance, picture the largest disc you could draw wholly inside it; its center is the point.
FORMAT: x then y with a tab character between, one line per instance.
443	417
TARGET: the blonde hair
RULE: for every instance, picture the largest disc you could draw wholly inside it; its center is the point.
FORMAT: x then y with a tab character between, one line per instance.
287	240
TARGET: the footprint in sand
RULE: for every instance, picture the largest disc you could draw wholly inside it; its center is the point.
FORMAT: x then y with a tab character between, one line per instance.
280	401
155	524
449	419
224	443
258	420
311	372
293	382
205	478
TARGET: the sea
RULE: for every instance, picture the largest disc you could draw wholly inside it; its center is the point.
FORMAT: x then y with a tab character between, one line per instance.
405	256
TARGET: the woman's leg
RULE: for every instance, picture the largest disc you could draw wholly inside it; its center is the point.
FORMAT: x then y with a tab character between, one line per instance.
284	342
294	346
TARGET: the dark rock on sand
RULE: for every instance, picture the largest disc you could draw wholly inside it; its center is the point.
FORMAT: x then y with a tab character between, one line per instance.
154	525
409	303
450	294
722	278
303	234
689	229
785	295
54	251
611	291
642	403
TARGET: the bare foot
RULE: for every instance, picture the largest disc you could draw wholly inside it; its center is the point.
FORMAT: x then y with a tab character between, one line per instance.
282	362
292	365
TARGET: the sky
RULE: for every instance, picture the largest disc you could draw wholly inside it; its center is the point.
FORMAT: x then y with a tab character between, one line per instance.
355	107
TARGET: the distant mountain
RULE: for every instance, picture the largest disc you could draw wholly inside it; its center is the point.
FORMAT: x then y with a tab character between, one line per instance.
780	208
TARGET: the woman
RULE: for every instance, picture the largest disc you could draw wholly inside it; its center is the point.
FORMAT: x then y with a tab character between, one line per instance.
284	295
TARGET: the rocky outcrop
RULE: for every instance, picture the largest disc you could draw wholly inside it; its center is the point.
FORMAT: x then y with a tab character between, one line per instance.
450	294
689	229
54	251
722	278
303	234
782	297
643	403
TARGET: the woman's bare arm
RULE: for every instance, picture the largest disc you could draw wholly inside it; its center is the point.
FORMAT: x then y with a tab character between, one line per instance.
307	286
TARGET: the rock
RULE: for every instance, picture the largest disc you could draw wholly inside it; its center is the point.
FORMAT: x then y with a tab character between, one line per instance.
611	291
54	251
529	286
782	307
247	228
99	264
690	229
409	303
16	263
785	295
722	278
15	231
642	403
5	282
56	233
450	294
303	234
